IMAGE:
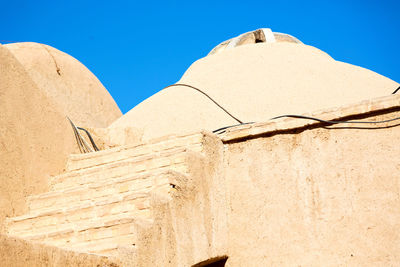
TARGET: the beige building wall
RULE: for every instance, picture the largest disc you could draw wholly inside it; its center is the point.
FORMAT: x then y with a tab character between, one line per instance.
20	253
286	193
35	137
315	196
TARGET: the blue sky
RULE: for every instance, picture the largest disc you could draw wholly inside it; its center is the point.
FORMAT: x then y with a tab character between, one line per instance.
136	48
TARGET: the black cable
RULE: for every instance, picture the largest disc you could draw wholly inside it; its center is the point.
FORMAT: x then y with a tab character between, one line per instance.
197	89
282	116
226	127
222	130
333	122
311	118
83	147
90	138
78	140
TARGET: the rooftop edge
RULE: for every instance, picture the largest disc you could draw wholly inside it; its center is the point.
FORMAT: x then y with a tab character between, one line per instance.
247	131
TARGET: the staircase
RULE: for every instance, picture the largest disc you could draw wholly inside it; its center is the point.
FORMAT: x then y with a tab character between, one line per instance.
96	205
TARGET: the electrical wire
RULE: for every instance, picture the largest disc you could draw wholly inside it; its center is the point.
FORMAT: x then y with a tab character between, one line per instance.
223	129
209	97
82	144
90	138
333	122
226	127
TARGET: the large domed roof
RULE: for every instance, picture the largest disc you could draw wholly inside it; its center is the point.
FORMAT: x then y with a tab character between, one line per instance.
68	83
39	87
255	83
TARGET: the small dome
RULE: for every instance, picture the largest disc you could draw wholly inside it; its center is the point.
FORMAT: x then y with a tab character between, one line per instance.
39	87
263	35
67	82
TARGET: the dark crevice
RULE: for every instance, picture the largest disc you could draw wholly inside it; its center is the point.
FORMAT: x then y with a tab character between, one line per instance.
213	262
327	126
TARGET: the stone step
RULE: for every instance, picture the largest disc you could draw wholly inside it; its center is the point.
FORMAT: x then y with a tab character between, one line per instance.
97	192
124	251
106	246
85	216
51	220
117	233
82	161
102	238
96	205
173	159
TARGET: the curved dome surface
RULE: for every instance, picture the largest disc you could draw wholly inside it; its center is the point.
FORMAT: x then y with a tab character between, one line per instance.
35	137
263	35
255	83
73	88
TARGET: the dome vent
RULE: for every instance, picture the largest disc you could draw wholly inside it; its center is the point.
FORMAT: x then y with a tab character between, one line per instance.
263	35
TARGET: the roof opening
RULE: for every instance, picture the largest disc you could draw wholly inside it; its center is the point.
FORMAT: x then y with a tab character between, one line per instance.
213	262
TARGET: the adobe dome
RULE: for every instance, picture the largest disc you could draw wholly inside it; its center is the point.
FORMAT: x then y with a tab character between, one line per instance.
39	87
73	88
254	83
263	35
35	136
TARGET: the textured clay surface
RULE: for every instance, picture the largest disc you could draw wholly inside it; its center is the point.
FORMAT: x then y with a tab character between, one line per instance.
35	137
316	197
255	83
68	83
15	252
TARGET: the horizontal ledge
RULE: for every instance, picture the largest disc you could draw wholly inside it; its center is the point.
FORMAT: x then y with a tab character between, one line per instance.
247	131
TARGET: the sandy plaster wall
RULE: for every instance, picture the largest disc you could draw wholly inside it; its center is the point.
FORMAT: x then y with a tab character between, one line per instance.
315	197
35	137
190	223
16	252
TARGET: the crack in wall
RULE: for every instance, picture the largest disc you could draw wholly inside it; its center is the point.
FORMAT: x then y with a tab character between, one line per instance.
54	60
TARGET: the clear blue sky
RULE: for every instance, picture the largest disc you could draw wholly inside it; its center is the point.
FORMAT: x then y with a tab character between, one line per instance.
136	48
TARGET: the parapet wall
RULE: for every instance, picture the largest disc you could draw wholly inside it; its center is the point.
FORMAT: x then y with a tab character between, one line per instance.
287	192
16	252
305	195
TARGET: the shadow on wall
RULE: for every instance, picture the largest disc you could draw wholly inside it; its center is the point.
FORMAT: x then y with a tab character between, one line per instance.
213	262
